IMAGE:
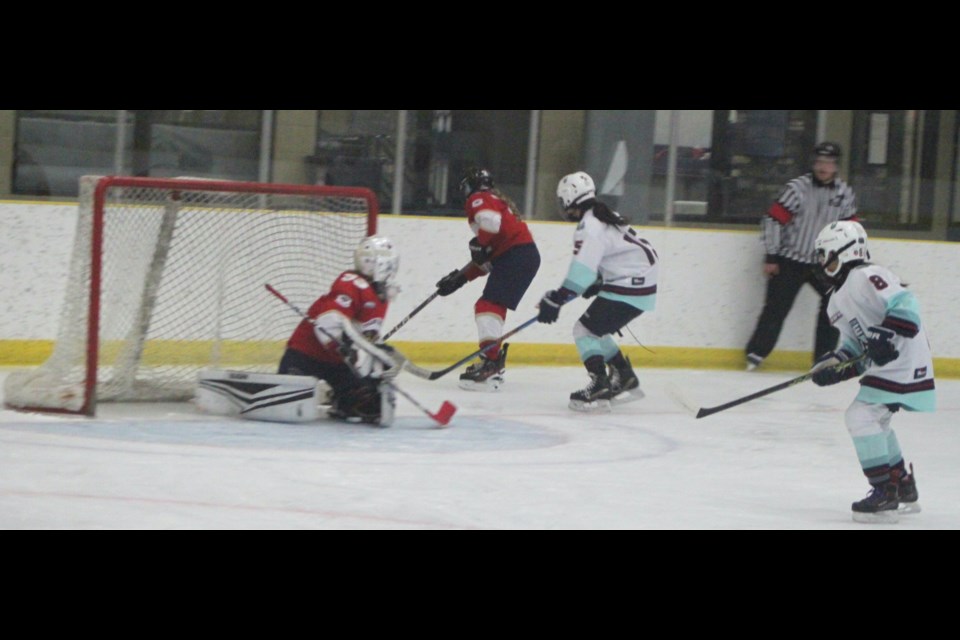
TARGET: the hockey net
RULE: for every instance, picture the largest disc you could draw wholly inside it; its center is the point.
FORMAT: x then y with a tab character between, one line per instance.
167	278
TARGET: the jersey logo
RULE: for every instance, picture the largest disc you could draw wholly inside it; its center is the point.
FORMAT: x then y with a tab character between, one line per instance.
348	277
344	300
361	284
637	281
477	202
919	373
369	305
858	331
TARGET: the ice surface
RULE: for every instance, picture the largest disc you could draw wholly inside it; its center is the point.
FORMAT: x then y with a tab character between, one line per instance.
518	459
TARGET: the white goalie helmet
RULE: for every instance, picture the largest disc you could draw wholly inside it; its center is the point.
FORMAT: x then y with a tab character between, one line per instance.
575	188
377	258
844	240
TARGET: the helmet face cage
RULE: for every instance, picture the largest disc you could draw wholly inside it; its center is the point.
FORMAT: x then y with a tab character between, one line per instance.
475	179
378	259
840	243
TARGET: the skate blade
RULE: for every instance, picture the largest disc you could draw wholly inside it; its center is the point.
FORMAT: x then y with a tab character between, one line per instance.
880	517
596	406
490	385
628	396
906	508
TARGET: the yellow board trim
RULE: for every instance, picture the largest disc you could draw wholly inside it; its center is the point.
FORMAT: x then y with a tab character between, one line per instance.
33	352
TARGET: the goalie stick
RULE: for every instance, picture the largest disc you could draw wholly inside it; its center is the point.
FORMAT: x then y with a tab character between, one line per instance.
442	416
418	309
707	411
420	372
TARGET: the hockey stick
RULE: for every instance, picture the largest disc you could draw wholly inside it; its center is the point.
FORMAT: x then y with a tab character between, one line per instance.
707	411
420	372
442	416
418	309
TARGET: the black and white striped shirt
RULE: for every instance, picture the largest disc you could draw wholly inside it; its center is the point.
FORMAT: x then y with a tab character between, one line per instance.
790	228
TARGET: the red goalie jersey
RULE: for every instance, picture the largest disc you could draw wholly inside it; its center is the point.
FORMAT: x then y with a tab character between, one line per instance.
351	295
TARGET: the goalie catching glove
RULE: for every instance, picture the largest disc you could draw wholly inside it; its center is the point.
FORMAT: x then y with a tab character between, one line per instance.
377	367
377	361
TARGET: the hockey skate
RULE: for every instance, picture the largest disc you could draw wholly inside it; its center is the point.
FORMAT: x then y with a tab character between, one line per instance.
906	490
624	385
595	397
485	374
879	507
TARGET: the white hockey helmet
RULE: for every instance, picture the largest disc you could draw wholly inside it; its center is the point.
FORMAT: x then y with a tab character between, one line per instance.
845	241
575	188
377	258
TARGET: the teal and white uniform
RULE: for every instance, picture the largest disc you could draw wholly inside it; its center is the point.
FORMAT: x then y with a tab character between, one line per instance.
629	267
872	295
627	263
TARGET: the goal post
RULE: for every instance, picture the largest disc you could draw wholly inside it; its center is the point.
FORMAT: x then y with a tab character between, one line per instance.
166	279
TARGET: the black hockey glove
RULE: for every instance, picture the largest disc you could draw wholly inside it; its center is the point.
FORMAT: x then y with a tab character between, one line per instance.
479	254
830	374
550	305
880	347
451	282
827	376
593	289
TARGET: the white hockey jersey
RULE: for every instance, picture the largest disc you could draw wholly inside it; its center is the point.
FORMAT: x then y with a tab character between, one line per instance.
628	264
873	295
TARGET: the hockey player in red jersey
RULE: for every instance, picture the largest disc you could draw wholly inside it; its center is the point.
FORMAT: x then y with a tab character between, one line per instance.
338	343
504	250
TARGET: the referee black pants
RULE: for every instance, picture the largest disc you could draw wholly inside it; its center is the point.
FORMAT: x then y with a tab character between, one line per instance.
782	291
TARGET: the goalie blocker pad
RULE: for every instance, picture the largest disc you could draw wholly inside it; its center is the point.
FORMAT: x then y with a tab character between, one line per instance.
258	396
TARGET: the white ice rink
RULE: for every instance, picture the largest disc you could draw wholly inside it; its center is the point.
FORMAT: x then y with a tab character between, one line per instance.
514	460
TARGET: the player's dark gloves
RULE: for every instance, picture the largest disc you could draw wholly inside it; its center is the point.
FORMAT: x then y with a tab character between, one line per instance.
880	347
479	254
829	373
593	289
451	282
550	304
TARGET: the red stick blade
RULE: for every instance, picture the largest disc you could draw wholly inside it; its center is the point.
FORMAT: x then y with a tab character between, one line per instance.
445	413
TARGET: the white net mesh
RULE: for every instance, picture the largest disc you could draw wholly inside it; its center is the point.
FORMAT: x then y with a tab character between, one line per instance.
183	275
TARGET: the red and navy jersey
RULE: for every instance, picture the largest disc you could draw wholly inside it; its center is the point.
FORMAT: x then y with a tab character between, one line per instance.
351	296
494	224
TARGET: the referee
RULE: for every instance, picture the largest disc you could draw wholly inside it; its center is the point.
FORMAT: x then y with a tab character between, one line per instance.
788	231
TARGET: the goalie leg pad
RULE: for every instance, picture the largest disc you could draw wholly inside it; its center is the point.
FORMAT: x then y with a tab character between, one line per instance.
257	396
